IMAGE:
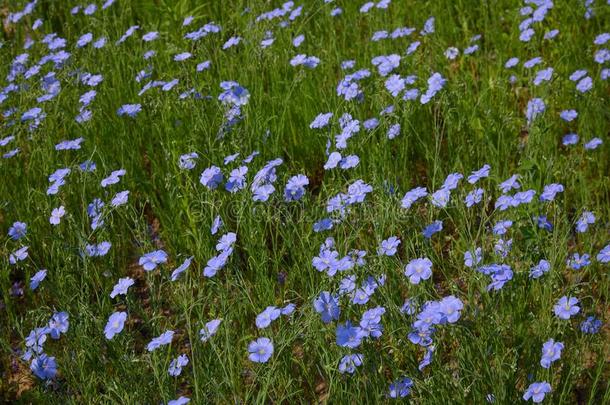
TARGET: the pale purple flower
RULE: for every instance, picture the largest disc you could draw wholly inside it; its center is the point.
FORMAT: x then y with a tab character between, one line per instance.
211	177
37	279
593	144
115	324
152	259
349	363
566	307
209	329
295	187
601	39
550	191
551	34
333	160
582	224
440	198
536	391
433	228
501	227
526	35
578	74
203	66
532	62
471	260
543	75
163	339
44	367
395	84
298	40
18	255
394	131
260	350
237	179
418	269
602	56
471	49
182	56
474	197
84	40
58	324
18	230
568	115
321	120
388	246
130	110
120	198
479	174
510	183
150	36
452	52
269	315
584	85
216	224
512	62
226	242
412	196
535	107
181	269
176	365
121	287
327	306
604	254
541	268
233	41
215	264
551	351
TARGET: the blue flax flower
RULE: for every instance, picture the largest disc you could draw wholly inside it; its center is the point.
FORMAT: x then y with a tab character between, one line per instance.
582	224
349	335
211	177
209	329
151	260
176	365
604	254
536	391
163	339
440	198
58	324
577	261
418	269
479	174
400	388
260	350
269	315
551	351
388	246
541	268
349	363
327	306
37	279
182	268
115	324
18	230
121	287
44	367
130	110
591	325
433	228
295	187
566	307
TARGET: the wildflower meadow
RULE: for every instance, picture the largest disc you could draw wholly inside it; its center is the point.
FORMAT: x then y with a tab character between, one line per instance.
309	201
